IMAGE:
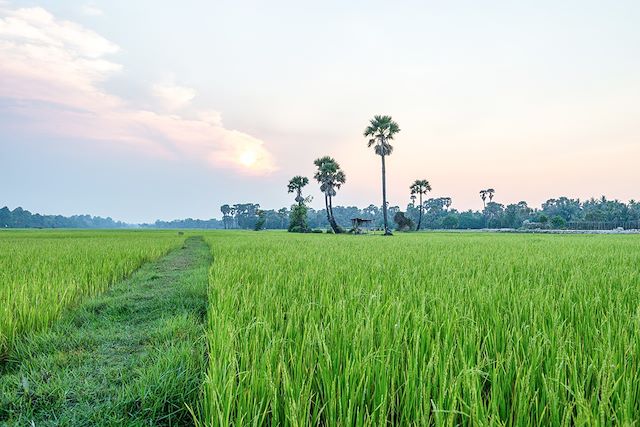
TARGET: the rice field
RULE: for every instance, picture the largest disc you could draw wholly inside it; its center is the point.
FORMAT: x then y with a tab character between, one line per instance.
42	272
423	329
318	329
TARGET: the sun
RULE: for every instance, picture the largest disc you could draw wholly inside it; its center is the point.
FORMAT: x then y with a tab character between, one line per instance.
248	158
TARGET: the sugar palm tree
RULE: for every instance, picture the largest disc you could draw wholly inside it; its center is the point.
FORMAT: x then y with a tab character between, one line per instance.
420	187
490	193
483	196
331	178
296	184
380	131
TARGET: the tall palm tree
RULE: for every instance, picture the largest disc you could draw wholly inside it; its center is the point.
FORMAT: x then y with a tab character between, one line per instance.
295	184
380	131
420	187
483	196
331	178
490	193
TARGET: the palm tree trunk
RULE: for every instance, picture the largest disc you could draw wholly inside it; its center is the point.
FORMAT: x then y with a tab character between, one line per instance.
387	232
326	204
332	222
420	214
334	225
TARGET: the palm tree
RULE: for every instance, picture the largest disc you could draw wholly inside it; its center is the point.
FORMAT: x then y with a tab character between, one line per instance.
226	210
420	187
380	131
330	177
413	199
295	184
483	196
490	193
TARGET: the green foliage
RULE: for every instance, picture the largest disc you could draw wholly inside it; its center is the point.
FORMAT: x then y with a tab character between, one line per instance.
558	222
298	219
437	329
402	222
295	185
449	222
21	218
380	131
261	220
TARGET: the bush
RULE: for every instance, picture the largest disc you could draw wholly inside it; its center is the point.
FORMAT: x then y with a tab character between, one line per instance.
329	231
558	222
450	221
298	219
402	222
262	219
315	230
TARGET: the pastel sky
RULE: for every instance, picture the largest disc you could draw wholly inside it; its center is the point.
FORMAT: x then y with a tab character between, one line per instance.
145	110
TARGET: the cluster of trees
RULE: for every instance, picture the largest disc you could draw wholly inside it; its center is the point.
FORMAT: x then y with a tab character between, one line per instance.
437	213
380	132
557	213
20	218
562	212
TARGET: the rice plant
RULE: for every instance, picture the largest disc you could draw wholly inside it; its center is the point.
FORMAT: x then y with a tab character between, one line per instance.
42	272
429	329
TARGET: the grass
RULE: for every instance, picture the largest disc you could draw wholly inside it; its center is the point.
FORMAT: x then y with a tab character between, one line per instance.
291	329
132	356
43	272
437	329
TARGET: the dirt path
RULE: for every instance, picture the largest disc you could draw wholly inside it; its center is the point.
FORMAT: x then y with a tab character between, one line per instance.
133	356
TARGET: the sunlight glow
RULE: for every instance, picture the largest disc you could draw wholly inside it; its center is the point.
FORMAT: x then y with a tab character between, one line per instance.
248	158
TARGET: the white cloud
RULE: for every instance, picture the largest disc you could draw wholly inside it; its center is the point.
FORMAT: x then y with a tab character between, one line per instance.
56	68
172	96
92	10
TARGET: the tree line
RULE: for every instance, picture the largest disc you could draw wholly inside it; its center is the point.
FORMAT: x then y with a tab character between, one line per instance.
436	213
562	212
21	218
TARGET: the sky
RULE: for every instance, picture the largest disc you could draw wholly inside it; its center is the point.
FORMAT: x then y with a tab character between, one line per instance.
144	110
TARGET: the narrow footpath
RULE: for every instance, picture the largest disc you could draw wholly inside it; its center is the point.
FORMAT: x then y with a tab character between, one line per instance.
134	356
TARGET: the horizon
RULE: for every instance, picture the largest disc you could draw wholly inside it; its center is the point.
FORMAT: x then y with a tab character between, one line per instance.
141	112
221	217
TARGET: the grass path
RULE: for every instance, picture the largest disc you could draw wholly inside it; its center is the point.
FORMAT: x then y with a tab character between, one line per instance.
133	356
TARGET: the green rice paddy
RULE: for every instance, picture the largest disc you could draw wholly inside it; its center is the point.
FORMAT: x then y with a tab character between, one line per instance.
415	329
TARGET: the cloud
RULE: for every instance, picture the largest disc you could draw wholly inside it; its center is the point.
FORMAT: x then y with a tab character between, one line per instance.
172	96
92	10
54	70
